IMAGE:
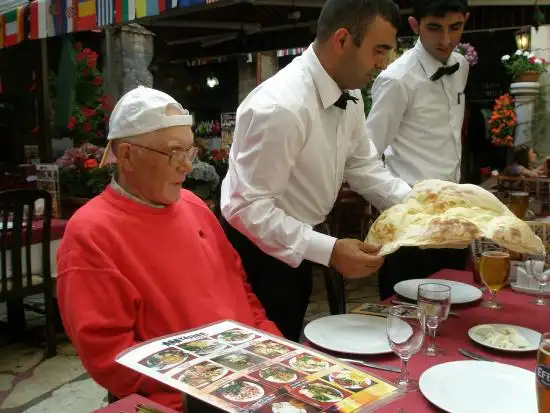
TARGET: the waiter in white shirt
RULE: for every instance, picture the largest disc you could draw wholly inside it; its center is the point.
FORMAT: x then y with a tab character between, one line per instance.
298	136
416	122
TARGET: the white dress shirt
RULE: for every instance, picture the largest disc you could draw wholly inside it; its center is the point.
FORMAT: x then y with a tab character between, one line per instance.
417	122
291	151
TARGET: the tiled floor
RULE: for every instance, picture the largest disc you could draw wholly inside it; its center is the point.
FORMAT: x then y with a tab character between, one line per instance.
28	383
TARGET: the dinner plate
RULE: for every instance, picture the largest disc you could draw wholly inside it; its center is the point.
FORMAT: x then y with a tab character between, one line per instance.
480	386
460	292
350	334
532	336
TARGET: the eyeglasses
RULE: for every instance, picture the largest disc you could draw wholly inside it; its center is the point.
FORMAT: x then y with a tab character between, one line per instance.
176	157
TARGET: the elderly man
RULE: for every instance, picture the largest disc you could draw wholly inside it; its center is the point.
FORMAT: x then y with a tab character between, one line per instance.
146	258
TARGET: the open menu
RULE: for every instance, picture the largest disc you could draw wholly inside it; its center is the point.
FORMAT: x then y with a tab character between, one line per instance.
240	369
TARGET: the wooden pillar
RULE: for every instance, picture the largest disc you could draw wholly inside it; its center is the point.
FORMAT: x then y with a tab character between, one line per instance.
44	104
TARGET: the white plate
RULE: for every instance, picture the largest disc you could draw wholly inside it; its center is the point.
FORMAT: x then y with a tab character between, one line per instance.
532	336
470	386
350	334
460	293
527	290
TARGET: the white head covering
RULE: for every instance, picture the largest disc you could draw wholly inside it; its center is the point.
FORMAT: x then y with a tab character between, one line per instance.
143	110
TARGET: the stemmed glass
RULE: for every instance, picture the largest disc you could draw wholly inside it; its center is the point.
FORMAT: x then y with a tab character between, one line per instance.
535	269
434	302
494	269
405	333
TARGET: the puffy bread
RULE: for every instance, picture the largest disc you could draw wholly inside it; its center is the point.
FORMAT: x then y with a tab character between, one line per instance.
440	214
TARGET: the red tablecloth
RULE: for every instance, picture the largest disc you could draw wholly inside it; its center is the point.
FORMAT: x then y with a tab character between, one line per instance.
57	231
129	404
453	334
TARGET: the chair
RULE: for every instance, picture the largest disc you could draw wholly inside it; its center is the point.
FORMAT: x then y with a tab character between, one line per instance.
16	239
350	208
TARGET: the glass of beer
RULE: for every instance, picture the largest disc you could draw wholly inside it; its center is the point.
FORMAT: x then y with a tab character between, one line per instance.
494	269
519	203
542	374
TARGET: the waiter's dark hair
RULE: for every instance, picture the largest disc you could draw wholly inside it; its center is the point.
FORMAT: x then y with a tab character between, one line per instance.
438	8
354	16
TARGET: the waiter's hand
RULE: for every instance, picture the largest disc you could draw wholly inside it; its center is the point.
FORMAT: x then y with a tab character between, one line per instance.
355	259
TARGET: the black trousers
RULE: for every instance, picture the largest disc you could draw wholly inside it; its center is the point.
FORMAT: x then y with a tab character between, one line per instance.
411	262
283	291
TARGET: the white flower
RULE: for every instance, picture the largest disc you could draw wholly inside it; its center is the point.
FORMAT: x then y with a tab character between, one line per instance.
538	61
531	55
527	54
505	58
519	52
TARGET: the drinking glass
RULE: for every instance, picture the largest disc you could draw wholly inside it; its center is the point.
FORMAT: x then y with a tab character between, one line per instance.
405	333
519	203
543	374
494	269
535	269
434	302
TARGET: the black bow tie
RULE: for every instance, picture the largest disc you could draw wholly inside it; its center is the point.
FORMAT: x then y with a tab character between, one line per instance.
342	101
445	70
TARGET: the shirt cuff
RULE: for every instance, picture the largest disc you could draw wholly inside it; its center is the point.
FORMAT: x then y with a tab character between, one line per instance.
320	248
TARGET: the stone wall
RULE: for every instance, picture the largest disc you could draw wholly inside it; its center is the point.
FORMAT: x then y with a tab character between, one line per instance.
134	51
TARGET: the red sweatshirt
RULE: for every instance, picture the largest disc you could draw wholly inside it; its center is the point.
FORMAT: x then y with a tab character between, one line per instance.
128	272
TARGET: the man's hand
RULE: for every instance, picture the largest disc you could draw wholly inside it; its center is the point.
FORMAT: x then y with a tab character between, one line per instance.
355	259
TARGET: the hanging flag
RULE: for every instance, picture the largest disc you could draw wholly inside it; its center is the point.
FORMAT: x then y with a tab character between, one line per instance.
187	3
38	19
125	10
167	5
14	26
61	17
152	7
86	15
141	8
105	12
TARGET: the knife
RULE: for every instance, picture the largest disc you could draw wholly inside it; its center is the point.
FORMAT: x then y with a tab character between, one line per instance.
451	313
472	355
372	365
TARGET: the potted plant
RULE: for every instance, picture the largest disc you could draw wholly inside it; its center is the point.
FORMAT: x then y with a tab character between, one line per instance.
91	109
503	121
524	66
203	181
80	177
469	52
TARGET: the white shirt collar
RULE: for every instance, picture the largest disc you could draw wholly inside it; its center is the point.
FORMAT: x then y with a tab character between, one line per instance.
328	90
428	62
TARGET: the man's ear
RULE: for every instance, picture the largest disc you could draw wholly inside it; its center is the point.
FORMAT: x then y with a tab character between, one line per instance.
466	17
414	24
340	38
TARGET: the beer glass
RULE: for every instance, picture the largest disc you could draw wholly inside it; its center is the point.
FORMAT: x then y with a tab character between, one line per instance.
543	374
434	302
405	335
494	269
519	203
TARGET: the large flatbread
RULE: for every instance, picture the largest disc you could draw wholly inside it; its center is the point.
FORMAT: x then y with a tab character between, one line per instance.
441	214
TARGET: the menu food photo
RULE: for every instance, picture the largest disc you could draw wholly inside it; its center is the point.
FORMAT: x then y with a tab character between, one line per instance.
241	369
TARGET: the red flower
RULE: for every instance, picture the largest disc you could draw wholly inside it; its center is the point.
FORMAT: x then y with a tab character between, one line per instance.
72	123
86	71
78	46
90	163
98	81
86	127
87	112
